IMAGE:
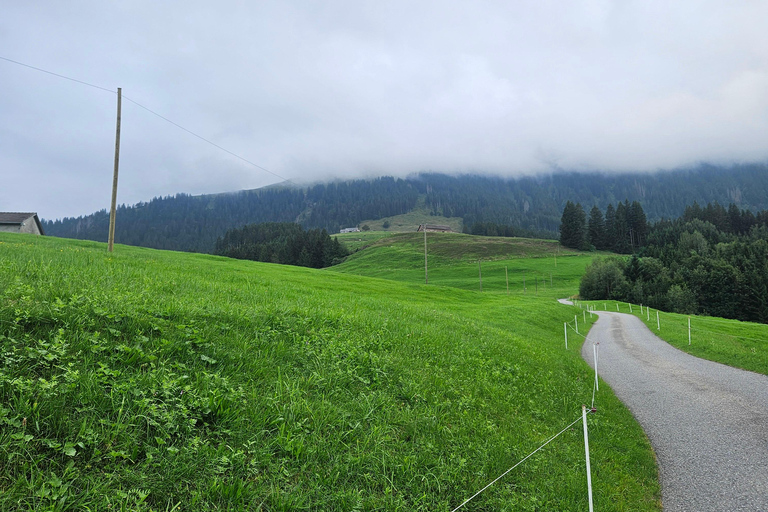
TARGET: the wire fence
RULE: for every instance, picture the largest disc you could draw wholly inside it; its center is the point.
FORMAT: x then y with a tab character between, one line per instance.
591	410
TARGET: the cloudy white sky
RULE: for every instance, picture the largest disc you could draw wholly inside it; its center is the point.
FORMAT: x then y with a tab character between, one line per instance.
314	90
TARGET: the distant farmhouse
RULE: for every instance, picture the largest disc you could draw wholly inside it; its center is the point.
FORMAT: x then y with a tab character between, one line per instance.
350	230
15	222
435	227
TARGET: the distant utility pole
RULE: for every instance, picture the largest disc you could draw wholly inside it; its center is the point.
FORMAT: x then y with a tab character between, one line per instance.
480	270
114	177
426	275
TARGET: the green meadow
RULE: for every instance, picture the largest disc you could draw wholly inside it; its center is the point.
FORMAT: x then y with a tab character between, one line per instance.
154	380
732	342
532	267
409	222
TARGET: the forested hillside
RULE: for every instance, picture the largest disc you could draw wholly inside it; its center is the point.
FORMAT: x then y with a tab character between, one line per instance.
532	204
286	243
711	261
194	223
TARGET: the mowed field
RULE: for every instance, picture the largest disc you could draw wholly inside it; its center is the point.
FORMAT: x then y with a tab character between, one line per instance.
152	380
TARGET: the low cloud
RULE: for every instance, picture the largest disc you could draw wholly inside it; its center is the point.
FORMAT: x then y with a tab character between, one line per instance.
348	89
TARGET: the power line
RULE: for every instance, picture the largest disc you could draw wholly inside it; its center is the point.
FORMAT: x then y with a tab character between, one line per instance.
58	75
177	125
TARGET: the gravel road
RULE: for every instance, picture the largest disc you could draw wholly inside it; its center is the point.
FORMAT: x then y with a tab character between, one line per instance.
707	422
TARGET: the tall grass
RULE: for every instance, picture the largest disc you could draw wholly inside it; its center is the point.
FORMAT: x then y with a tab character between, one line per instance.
151	380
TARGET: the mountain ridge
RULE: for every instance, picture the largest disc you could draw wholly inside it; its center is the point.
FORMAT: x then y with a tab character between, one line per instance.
533	203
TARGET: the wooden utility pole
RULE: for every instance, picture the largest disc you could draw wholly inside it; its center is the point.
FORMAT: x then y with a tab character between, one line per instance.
480	269
114	177
426	273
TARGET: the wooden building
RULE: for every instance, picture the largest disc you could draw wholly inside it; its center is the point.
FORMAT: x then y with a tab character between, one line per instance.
434	227
17	222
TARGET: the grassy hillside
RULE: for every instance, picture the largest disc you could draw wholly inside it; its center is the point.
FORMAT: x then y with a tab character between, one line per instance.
150	380
360	240
410	222
532	266
739	344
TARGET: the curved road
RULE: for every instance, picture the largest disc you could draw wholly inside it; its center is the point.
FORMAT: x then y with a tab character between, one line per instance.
707	422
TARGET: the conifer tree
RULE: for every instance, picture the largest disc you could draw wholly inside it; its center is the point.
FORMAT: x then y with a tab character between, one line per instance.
621	229
638	225
596	230
609	243
573	226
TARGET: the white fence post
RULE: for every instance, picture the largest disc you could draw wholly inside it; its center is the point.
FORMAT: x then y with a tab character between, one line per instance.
658	324
565	329
689	330
576	321
594	354
586	451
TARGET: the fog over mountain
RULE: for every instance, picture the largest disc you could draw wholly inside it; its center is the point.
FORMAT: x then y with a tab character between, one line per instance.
341	89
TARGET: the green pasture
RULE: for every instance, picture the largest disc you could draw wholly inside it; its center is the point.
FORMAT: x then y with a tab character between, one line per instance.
357	241
410	222
153	380
732	342
532	267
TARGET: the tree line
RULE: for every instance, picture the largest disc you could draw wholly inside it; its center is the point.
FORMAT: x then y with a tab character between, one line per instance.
710	261
494	229
531	204
193	223
286	243
623	229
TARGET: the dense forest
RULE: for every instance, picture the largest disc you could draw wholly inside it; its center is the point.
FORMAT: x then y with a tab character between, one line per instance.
281	242
494	229
530	205
623	229
194	223
711	261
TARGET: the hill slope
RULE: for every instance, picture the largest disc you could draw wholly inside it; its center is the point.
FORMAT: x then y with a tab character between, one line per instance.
530	266
157	380
533	204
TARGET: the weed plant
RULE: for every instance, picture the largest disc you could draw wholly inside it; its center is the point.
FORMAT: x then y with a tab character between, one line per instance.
151	380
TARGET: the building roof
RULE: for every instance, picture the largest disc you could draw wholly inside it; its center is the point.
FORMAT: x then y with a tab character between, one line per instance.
14	217
434	227
19	217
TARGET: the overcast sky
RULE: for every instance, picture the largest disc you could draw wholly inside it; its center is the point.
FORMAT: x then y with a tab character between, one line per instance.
321	89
